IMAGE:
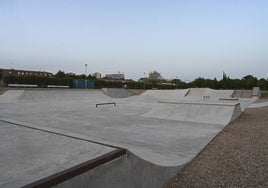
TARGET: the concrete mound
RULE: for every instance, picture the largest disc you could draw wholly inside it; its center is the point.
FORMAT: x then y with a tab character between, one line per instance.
242	93
61	95
212	113
218	93
211	93
166	94
11	96
118	92
196	92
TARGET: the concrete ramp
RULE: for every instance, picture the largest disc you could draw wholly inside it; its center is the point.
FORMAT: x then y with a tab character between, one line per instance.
211	93
256	92
11	96
212	113
118	92
218	93
166	94
242	93
61	95
196	92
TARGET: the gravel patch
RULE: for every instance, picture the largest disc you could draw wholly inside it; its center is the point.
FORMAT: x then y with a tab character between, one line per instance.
236	157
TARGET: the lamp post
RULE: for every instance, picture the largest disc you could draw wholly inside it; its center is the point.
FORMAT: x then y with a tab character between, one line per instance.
86	76
144	80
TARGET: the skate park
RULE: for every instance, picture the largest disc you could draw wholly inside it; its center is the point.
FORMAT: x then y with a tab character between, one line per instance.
108	137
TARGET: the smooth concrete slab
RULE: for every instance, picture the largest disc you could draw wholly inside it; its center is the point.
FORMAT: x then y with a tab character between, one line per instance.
27	155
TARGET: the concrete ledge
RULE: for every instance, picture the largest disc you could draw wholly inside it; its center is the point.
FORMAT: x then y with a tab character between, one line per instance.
60	177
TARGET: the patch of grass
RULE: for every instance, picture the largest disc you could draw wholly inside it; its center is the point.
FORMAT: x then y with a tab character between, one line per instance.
264	93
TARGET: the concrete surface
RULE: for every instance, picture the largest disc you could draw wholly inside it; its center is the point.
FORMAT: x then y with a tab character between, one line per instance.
163	134
28	155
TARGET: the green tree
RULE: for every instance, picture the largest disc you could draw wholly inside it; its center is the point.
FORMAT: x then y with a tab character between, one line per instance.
250	81
1	74
60	74
155	76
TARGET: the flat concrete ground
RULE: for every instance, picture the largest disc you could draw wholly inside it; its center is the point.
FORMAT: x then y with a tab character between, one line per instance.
237	157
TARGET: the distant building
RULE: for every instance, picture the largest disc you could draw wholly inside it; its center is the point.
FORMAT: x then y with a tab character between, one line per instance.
118	76
25	73
97	75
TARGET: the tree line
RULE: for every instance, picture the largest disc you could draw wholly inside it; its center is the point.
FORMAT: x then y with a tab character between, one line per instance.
154	80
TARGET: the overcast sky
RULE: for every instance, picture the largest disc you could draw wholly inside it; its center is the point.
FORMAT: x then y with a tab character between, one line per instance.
178	38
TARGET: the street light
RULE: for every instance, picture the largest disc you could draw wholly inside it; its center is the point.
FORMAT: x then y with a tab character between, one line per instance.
86	76
144	80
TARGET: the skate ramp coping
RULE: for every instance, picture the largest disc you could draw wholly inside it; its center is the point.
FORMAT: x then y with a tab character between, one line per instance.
211	113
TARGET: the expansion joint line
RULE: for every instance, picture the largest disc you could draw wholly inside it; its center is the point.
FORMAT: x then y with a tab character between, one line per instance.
58	133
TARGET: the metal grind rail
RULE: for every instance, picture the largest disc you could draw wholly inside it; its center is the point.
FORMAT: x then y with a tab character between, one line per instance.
105	103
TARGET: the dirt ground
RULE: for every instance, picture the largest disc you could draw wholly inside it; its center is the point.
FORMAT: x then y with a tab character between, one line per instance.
236	157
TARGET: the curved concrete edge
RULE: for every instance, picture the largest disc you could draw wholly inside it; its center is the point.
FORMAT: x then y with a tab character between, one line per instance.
127	170
258	105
